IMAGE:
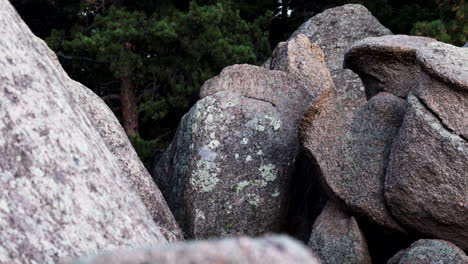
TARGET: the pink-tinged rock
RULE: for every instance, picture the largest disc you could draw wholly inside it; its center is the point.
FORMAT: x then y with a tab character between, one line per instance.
63	192
444	84
426	179
352	154
337	238
242	250
335	30
366	150
228	168
112	133
387	63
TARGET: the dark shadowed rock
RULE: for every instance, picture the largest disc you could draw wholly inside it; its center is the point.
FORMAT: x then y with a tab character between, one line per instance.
367	148
108	126
426	181
228	169
387	63
336	237
335	30
426	251
243	250
444	84
63	193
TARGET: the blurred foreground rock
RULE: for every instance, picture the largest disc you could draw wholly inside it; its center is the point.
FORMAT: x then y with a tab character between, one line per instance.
243	250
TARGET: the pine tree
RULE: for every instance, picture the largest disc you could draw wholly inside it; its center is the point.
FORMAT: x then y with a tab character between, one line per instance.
452	25
150	67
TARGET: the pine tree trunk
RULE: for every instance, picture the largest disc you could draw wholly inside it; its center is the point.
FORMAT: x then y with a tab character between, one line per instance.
129	111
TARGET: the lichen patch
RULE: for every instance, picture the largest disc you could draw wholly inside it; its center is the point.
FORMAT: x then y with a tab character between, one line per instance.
268	172
204	177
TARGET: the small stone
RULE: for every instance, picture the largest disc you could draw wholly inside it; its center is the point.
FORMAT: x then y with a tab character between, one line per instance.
427	251
336	237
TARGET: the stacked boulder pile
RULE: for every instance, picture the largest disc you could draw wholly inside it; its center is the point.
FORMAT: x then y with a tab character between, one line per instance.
385	141
389	151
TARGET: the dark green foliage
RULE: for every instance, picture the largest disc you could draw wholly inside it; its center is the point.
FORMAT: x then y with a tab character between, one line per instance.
167	57
452	25
44	15
398	15
149	150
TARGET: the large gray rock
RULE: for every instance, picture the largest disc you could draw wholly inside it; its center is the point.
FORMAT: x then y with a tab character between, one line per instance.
112	133
426	251
332	131
365	157
426	181
352	154
63	193
228	169
444	84
387	63
335	30
337	238
445	62
243	250
117	142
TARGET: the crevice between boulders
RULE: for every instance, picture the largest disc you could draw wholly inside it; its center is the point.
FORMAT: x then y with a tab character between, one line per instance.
242	95
258	99
437	116
307	197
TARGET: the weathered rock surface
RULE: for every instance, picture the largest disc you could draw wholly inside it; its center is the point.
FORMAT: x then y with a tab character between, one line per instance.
426	251
291	93
336	237
426	181
243	250
446	62
352	154
108	126
444	84
387	63
321	134
368	144
301	57
117	141
228	169
63	193
335	30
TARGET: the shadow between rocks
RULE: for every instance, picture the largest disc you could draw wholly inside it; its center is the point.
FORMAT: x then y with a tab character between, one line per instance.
307	198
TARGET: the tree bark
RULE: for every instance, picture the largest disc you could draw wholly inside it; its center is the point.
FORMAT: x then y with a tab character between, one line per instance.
129	111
